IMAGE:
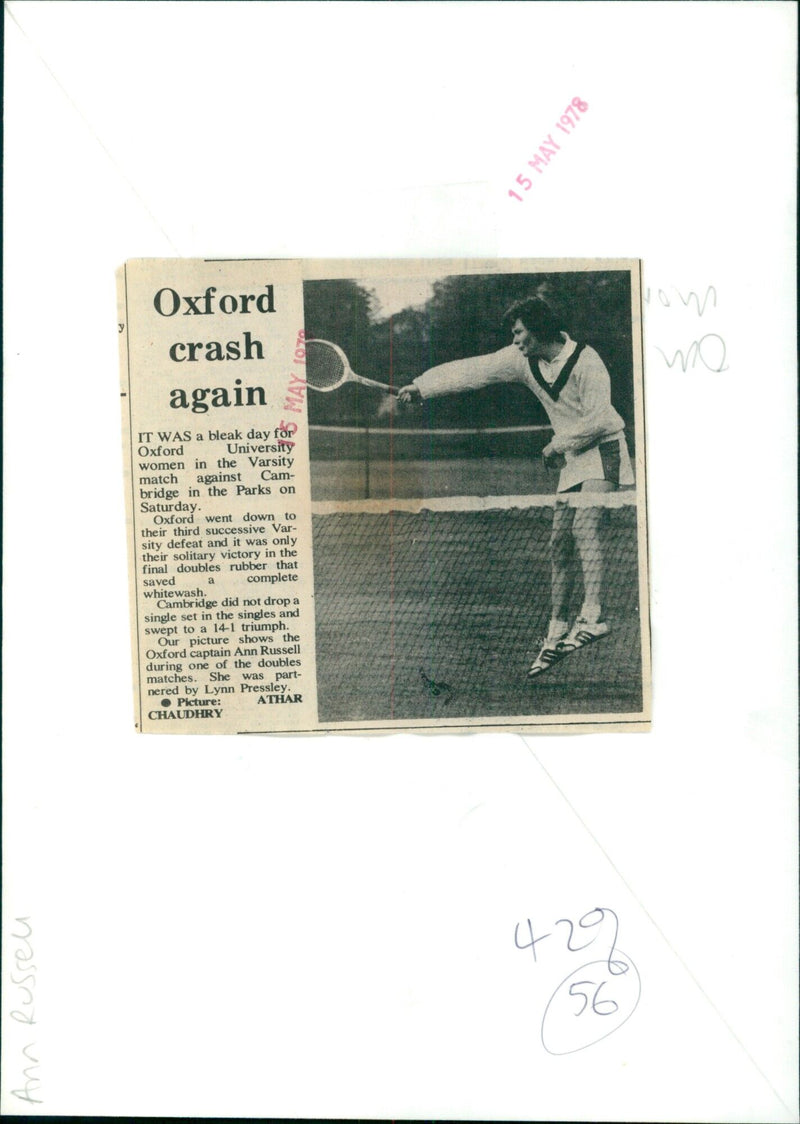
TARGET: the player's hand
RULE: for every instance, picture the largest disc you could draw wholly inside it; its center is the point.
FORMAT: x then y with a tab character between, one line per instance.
552	457
409	395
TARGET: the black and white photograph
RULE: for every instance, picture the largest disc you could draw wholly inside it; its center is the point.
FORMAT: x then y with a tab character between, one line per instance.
478	495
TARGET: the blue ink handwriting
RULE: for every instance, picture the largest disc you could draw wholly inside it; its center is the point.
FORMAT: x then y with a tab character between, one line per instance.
564	1030
568	1027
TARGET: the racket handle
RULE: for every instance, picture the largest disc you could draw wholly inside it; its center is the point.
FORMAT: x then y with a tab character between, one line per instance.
379	385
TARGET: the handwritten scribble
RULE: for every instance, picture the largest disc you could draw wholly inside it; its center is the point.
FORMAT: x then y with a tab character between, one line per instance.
599	912
26	1093
710	350
615	967
590	1004
23	977
665	302
532	942
700	308
698	349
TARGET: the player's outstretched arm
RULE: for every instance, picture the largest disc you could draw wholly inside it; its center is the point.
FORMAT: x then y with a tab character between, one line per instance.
506	365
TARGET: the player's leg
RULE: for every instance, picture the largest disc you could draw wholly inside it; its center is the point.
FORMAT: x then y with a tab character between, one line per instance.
601	469
586	529
588	540
562	551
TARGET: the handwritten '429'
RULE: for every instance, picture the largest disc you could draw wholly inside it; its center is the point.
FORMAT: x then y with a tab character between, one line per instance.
615	967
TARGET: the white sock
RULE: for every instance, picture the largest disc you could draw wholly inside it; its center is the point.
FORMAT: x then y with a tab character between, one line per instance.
590	613
557	629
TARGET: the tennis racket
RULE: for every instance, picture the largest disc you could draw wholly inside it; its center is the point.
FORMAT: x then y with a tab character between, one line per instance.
327	368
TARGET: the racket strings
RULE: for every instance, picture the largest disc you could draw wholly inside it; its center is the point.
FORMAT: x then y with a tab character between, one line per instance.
324	366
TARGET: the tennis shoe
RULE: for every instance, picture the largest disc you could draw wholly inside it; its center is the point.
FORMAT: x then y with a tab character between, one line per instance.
548	655
583	632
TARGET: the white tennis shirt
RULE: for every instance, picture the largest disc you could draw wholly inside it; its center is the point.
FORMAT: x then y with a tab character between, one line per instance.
579	408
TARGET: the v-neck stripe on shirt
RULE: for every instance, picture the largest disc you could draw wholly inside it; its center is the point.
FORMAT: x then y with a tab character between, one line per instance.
554	389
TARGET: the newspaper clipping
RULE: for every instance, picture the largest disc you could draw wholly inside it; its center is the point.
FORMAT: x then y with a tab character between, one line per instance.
385	495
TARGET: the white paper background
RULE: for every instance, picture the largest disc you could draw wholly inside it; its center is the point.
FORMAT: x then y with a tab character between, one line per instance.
325	928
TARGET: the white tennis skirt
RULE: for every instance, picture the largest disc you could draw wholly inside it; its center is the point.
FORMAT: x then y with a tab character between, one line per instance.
609	460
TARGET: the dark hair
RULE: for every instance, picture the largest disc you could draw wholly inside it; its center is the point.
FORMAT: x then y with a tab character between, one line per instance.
538	317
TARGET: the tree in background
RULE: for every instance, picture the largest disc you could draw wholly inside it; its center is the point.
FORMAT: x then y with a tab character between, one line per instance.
342	311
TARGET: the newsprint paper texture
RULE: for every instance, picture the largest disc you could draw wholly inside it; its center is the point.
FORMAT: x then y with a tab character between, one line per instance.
384	495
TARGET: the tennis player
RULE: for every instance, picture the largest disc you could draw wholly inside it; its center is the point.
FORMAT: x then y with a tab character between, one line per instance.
588	447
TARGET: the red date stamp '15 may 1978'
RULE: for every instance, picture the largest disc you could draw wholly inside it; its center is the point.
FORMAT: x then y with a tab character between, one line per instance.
549	147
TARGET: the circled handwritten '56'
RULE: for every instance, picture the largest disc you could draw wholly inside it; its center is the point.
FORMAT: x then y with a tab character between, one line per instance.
591	1003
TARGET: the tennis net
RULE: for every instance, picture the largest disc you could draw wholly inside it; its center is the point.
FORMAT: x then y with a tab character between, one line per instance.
434	610
358	462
